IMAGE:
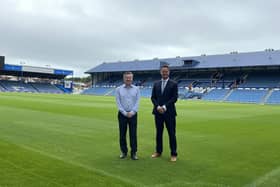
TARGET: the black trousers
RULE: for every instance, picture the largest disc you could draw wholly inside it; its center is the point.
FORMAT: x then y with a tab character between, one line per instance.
125	122
170	123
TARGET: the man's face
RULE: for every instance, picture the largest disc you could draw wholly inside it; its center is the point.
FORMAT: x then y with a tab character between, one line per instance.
164	72
128	79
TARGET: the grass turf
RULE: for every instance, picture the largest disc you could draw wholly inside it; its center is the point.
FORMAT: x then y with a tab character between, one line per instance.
72	140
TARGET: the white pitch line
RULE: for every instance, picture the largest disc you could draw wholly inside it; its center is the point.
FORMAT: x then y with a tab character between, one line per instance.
98	171
266	177
193	184
47	179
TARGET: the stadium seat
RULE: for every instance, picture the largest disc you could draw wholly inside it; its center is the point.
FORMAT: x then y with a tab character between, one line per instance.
98	91
46	88
216	95
274	97
247	96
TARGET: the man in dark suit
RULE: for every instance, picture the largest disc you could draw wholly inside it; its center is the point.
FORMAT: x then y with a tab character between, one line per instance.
164	97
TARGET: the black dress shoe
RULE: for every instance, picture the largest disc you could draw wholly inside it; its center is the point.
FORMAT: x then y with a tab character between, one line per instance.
123	155
134	157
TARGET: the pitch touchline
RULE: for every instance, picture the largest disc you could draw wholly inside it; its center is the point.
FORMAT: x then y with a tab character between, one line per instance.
265	177
192	183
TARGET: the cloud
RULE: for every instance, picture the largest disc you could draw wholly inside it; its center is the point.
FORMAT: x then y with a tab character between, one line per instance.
82	34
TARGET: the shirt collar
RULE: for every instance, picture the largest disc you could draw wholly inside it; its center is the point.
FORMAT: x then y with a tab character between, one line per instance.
166	80
127	86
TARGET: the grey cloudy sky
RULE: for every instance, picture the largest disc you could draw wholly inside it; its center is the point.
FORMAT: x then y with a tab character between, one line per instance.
81	34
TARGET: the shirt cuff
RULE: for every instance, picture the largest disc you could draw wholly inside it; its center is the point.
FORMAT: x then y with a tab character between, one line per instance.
133	112
164	108
124	113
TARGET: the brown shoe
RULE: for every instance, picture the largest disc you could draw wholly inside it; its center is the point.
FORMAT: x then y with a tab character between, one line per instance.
173	158
156	155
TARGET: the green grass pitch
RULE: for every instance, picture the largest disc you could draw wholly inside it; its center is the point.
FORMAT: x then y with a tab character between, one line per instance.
72	140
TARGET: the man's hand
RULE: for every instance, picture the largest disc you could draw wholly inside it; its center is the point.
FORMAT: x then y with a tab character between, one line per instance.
160	109
129	114
164	108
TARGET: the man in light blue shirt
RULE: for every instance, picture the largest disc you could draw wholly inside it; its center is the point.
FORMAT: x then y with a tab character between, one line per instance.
127	99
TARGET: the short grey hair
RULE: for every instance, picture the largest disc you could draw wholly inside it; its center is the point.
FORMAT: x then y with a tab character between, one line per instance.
127	73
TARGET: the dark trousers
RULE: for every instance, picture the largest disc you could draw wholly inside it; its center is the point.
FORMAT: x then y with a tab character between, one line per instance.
132	124
170	123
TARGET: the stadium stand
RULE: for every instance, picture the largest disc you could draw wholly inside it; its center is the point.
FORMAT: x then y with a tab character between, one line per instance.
2	89
15	78
16	86
98	91
47	88
146	92
247	96
216	95
274	97
252	77
261	80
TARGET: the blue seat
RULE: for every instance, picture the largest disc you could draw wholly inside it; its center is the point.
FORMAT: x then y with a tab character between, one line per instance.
274	98
247	96
215	95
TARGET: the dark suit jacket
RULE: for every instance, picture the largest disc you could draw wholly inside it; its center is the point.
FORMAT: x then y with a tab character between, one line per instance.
167	98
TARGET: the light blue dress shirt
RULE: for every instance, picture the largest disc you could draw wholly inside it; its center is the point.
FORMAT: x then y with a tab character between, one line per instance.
127	99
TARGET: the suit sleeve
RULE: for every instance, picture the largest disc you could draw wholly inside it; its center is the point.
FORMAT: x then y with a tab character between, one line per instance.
154	97
174	97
